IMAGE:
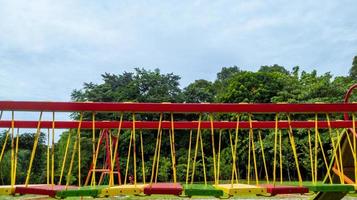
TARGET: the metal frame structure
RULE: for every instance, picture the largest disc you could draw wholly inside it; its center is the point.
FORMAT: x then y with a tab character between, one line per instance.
177	107
177	124
93	108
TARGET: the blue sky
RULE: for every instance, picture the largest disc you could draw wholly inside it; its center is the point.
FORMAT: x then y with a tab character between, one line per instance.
49	48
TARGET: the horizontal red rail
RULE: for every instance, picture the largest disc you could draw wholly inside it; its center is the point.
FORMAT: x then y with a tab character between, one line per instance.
176	107
177	124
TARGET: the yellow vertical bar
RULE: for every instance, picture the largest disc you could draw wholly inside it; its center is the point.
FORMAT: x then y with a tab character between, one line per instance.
69	174
293	146
101	132
321	146
281	156
340	154
263	155
311	159
53	150
158	157
12	147
142	155
93	150
111	174
48	156
128	159
196	148
249	149
4	145
65	156
171	151
219	155
354	144
156	148
173	147
337	143
38	132
79	148
275	146
16	153
213	149
333	146
117	143
234	152
234	169
324	158
189	157
253	150
5	141
316	146
203	160
134	149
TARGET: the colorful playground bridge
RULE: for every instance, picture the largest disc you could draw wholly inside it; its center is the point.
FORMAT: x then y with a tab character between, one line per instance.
337	177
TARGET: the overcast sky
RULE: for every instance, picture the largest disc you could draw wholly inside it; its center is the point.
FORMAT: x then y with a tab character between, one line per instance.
49	48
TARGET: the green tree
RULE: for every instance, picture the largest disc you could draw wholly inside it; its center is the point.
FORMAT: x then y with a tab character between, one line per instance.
38	171
199	91
353	70
227	72
274	68
141	86
269	84
253	87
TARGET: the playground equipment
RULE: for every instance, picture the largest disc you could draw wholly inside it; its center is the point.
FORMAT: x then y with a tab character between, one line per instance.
243	124
109	140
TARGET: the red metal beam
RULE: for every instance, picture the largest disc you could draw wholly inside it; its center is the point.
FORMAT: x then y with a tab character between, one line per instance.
176	107
177	124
